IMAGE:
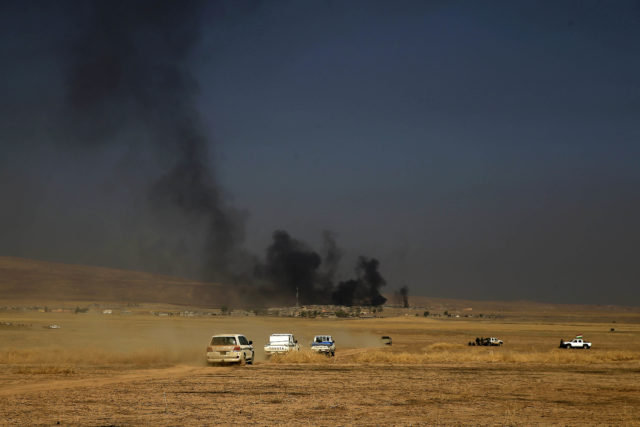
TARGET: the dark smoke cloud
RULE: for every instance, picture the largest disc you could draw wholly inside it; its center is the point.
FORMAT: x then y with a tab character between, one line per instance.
116	163
331	257
129	72
291	267
116	156
365	289
402	296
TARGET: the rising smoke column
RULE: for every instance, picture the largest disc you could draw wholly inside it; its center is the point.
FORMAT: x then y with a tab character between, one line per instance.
118	165
129	83
365	288
290	266
331	256
402	296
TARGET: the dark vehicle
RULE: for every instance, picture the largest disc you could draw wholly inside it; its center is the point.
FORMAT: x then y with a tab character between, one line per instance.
487	342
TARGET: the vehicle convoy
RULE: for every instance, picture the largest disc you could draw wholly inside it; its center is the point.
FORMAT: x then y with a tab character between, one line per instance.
577	342
230	348
280	344
324	344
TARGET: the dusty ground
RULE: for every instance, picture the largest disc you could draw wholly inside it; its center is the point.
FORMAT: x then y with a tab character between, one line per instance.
141	369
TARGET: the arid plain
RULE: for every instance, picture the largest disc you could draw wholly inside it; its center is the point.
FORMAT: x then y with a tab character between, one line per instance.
139	368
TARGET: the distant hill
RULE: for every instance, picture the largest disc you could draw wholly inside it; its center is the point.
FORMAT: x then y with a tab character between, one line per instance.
462	305
513	309
26	279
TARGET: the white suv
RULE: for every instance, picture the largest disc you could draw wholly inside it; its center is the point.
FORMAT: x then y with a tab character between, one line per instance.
230	348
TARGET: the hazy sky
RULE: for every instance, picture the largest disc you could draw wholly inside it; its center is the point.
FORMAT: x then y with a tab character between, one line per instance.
481	150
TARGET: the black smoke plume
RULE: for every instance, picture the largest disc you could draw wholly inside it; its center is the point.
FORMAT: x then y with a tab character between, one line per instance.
331	257
365	289
129	82
402	295
114	158
291	267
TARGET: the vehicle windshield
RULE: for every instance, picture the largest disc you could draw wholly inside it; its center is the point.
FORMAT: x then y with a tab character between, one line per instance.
223	341
280	339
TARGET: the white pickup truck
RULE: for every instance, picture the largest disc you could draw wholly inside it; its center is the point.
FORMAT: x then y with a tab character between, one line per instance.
577	342
324	344
280	344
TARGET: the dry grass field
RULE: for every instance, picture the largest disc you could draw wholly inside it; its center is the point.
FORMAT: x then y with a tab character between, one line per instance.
143	369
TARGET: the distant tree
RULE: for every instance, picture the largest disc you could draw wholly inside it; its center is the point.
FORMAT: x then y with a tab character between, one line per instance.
426	314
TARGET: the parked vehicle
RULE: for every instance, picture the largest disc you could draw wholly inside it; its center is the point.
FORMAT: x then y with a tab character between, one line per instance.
577	342
492	341
324	344
386	340
281	343
230	348
495	341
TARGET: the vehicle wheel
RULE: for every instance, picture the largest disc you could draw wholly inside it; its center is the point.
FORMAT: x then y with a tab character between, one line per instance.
243	360
253	356
333	353
585	346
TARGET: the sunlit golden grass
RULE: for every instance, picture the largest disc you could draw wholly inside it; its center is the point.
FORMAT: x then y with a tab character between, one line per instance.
302	356
63	357
439	346
443	352
44	370
430	375
496	356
